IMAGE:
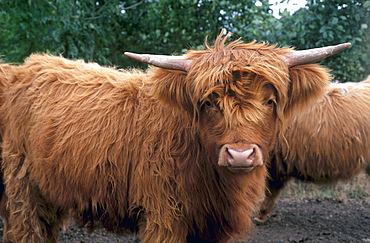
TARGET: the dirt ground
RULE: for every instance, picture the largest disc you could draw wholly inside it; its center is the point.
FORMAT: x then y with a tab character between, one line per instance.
312	220
317	220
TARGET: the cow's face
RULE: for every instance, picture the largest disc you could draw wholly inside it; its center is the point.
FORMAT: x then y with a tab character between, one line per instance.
238	107
237	121
239	95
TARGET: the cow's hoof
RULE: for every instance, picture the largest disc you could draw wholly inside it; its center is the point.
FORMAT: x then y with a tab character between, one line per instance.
260	218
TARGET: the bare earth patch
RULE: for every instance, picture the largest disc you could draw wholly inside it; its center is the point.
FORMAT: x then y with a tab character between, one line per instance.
317	220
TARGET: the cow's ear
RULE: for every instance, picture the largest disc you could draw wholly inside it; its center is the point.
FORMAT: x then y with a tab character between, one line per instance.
170	87
307	84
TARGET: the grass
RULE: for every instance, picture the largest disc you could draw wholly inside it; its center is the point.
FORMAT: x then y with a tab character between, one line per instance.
358	187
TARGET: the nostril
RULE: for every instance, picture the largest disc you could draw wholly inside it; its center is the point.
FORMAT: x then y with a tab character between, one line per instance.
229	156
252	156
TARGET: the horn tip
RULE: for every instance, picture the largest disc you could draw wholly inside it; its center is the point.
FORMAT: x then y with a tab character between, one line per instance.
347	44
128	54
342	47
136	57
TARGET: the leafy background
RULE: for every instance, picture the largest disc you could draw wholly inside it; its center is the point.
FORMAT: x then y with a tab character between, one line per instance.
101	30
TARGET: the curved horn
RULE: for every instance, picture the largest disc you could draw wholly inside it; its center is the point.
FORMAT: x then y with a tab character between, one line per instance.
162	61
312	55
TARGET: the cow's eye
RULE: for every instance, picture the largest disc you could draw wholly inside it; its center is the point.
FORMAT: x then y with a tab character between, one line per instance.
270	102
207	104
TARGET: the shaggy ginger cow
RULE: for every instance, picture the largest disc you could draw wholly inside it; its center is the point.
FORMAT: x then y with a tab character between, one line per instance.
176	153
327	143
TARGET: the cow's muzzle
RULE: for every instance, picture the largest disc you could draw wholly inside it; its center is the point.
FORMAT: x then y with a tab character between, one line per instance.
240	157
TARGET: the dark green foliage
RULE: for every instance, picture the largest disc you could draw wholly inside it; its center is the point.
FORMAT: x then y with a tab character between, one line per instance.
101	30
330	22
75	29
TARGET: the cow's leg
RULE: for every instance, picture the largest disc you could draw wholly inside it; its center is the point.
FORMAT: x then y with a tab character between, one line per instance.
277	181
155	230
3	211
273	192
30	218
5	216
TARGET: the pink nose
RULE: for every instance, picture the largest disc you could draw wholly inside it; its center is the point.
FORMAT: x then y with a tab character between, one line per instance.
240	157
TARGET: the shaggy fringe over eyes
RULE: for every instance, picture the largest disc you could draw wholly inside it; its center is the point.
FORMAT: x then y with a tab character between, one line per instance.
216	65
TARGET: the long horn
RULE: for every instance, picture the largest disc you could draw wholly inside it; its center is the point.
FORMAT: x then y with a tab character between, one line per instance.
162	61
313	55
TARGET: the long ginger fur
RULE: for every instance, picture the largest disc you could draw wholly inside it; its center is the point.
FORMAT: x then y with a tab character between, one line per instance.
326	143
333	134
136	150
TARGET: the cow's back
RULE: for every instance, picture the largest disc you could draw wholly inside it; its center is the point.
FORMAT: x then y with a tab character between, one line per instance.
91	138
330	140
64	115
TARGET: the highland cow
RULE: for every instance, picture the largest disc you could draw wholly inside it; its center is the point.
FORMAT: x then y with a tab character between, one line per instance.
176	153
327	143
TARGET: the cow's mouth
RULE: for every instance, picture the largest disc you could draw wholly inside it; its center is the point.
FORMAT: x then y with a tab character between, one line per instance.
240	169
